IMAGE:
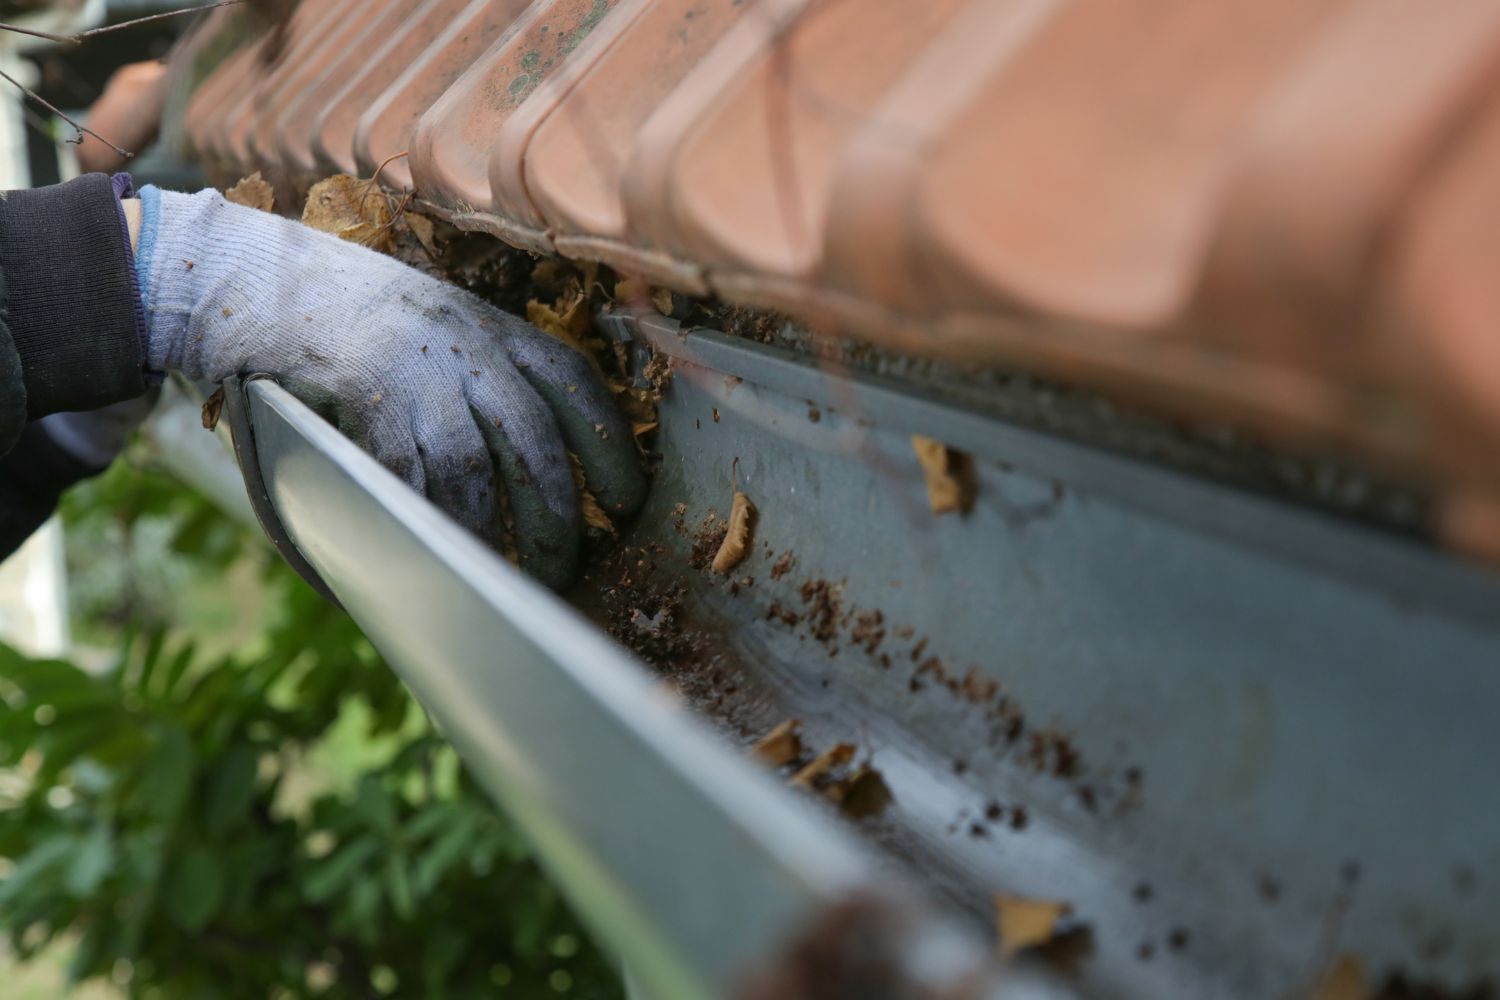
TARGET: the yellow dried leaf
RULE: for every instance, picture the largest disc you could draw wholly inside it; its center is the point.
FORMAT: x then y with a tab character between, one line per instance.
949	475
252	192
423	229
781	745
1344	980
661	298
644	428
593	514
550	321
367	234
351	209
835	756
1025	923
737	539
575	314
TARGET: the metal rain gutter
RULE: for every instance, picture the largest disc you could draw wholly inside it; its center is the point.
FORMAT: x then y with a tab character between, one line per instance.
688	861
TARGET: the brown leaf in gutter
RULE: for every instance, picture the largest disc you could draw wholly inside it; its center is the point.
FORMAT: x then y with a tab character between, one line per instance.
951	484
781	745
213	408
835	756
423	229
661	298
352	210
1344	980
864	794
737	541
567	321
593	514
252	192
1025	923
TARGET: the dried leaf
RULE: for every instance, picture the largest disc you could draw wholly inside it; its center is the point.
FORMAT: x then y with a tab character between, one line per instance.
835	756
1344	980
425	232
737	540
593	514
661	298
864	794
575	314
351	209
781	745
367	234
557	324
1025	923
213	408
252	192
949	475
642	429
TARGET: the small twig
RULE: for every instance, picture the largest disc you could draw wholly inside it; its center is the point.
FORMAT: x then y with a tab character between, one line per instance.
79	39
82	130
375	179
374	186
396	215
36	33
106	29
84	35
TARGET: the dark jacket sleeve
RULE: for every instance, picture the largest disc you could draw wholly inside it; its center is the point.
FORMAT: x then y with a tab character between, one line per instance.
33	476
70	333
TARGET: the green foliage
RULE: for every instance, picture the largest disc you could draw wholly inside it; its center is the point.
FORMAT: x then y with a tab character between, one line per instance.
173	812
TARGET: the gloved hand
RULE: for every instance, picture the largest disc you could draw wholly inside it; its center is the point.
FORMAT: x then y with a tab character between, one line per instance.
467	404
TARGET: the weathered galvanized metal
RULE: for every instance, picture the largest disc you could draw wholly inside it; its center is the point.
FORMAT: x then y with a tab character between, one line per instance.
690	864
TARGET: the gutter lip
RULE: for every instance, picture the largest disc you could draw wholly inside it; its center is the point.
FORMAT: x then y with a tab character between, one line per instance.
631	803
1412	576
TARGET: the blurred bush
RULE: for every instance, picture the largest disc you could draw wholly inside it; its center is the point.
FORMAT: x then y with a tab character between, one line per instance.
271	816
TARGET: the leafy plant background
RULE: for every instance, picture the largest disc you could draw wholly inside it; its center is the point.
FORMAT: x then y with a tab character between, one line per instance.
234	796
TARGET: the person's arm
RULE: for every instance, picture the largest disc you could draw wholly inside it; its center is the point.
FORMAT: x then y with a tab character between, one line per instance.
473	407
73	320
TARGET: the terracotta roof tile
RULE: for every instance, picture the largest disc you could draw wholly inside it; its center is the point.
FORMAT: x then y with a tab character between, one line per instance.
371	73
387	127
342	55
1085	179
575	163
310	22
1275	213
1349	130
454	141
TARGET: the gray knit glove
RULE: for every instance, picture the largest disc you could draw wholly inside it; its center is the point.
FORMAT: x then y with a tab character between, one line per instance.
467	404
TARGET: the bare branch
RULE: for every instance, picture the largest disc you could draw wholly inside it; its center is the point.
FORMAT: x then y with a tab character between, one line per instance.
36	33
82	130
386	162
85	35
